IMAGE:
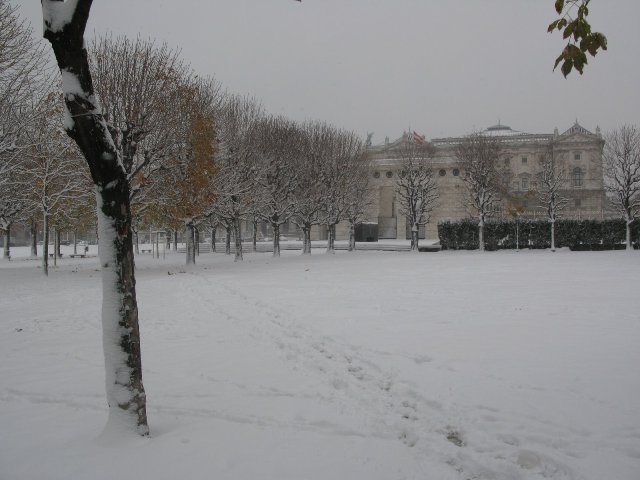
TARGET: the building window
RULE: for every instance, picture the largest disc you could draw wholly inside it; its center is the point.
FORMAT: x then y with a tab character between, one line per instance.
389	174
442	172
576	156
376	174
456	172
524	160
525	184
577	177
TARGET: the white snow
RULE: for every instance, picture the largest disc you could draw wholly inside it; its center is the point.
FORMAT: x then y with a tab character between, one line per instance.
365	365
56	15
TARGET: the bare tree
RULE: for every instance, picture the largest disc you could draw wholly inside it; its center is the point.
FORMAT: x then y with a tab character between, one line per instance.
360	197
238	124
551	180
340	172
23	77
478	155
140	85
416	187
315	140
64	26
52	174
621	157
276	174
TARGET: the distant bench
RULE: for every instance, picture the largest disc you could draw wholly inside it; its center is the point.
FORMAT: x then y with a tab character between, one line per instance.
51	255
81	255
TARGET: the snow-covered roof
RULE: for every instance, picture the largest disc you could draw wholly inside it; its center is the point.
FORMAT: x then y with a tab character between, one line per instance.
501	131
577	128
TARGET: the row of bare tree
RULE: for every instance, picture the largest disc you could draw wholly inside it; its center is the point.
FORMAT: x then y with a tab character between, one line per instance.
192	154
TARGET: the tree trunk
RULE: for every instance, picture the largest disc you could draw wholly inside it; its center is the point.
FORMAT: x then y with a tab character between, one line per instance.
121	336
33	229
167	240
7	243
126	398
57	242
45	244
276	239
553	235
237	233
331	233
227	240
255	235
306	239
213	239
481	235
75	242
196	239
628	234
175	240
415	236
191	250
352	236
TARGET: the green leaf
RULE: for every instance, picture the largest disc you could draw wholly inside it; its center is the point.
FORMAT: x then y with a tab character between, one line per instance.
558	60
566	67
568	31
559	6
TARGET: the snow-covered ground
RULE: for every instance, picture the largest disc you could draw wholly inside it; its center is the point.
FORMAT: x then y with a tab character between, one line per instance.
365	365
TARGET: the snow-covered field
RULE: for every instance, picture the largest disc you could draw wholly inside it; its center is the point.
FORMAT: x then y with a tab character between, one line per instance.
369	365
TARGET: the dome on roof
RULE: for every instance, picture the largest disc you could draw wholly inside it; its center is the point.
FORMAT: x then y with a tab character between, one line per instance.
494	128
500	130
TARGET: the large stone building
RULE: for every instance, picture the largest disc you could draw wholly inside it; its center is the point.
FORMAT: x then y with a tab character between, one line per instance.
577	151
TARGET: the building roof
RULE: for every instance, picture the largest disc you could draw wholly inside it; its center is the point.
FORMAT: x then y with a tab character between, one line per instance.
577	128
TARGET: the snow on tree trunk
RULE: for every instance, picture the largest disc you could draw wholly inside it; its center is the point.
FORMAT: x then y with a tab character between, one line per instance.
75	242
167	240
45	244
6	254
121	336
553	235
237	233
64	26
33	229
276	239
628	234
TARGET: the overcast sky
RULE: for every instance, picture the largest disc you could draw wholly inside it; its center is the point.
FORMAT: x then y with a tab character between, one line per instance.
440	67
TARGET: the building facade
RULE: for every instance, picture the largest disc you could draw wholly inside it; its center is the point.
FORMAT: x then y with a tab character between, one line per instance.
577	152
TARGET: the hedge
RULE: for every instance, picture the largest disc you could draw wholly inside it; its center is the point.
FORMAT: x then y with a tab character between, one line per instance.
501	234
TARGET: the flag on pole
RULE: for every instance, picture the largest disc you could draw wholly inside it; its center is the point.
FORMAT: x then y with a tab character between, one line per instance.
417	138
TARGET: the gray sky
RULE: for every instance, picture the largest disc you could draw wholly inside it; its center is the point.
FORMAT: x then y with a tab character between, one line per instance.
441	67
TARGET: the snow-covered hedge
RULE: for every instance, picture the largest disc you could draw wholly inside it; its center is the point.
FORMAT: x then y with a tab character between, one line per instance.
575	234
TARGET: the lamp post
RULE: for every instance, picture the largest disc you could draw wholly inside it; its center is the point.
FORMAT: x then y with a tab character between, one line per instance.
517	232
